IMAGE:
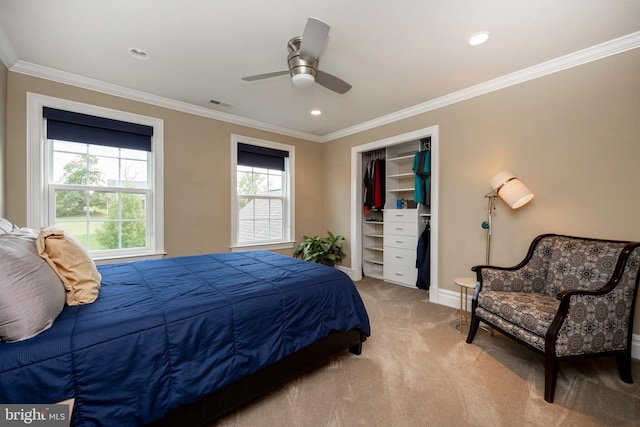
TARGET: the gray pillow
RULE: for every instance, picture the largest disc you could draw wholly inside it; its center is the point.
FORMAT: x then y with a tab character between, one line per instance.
31	294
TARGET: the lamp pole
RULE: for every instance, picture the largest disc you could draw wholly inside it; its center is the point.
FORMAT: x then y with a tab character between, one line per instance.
491	205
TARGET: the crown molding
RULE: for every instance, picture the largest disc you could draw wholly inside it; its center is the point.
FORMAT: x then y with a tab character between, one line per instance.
64	77
594	53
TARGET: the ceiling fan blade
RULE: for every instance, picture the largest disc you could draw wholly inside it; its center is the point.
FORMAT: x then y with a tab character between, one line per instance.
314	38
265	75
332	82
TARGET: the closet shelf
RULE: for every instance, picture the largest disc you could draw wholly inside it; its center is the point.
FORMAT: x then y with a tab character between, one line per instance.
373	261
399	158
374	235
401	175
374	248
399	190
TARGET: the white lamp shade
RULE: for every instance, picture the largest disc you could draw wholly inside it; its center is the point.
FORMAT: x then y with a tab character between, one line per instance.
511	189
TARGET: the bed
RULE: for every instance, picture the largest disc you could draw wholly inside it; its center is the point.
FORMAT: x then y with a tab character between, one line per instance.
186	338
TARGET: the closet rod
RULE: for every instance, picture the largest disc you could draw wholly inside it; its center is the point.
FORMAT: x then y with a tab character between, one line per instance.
378	154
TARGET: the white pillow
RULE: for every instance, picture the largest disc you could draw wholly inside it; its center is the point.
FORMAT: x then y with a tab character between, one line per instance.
31	294
6	226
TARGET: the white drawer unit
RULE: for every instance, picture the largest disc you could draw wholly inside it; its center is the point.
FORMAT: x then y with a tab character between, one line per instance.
403	257
399	229
400	243
409	216
401	275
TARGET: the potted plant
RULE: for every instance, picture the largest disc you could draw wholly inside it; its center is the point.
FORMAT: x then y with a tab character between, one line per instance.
321	250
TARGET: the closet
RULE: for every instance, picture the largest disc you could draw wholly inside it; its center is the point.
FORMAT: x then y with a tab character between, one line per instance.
396	207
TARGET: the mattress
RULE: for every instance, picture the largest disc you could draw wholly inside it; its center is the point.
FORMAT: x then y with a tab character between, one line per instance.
164	333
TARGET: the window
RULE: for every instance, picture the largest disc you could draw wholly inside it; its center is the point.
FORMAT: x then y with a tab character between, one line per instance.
262	203
96	175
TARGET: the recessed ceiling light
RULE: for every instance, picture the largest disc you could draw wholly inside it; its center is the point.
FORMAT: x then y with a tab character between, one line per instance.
139	53
478	38
316	112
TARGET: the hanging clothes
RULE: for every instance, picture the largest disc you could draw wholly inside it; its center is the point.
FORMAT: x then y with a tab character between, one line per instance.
423	259
367	186
379	187
422	171
373	189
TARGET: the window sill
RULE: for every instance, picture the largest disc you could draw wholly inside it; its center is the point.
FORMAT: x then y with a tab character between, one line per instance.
128	258
262	246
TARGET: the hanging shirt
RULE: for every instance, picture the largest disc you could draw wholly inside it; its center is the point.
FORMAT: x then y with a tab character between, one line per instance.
367	185
422	171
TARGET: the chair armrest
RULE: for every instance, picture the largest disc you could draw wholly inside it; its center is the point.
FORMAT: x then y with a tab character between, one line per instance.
589	322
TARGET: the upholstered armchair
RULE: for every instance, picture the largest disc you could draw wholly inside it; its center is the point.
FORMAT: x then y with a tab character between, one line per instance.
570	297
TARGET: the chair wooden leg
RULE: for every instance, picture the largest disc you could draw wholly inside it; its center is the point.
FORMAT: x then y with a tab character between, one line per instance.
550	376
624	366
473	329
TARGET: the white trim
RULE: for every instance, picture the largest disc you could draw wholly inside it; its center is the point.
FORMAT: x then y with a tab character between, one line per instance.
263	247
129	258
64	77
451	299
356	202
290	205
594	53
590	54
36	206
349	271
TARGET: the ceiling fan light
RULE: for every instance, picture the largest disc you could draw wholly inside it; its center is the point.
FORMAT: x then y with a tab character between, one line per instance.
303	80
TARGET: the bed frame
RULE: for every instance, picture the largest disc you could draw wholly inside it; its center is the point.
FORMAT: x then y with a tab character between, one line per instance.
246	389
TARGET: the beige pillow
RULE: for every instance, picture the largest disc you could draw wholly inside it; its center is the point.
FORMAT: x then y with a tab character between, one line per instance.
72	263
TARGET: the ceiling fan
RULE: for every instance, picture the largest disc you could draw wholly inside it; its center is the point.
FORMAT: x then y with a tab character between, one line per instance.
303	59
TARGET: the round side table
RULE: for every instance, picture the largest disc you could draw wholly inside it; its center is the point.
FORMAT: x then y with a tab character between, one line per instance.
465	283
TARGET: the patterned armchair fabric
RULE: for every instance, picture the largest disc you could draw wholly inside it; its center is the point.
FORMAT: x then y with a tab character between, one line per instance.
570	296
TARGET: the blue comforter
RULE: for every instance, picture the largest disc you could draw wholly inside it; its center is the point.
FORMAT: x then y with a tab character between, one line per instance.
167	332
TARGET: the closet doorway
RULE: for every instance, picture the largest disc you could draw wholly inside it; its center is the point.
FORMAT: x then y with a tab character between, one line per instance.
357	216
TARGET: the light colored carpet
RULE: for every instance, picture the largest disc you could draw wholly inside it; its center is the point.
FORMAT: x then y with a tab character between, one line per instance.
416	370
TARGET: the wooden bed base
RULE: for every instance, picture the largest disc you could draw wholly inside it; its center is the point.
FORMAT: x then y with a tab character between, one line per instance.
233	395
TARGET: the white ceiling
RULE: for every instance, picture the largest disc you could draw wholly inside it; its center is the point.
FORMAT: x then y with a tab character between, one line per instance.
399	56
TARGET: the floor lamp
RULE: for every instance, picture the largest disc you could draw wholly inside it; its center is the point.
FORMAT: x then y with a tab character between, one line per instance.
512	191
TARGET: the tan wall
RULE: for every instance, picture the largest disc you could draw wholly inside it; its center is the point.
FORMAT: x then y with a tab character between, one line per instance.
197	168
572	137
3	134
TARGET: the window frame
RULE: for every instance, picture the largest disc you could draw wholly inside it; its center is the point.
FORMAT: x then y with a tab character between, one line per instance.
38	163
288	240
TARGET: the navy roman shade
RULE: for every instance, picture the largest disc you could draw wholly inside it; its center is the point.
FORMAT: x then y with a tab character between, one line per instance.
76	127
261	157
